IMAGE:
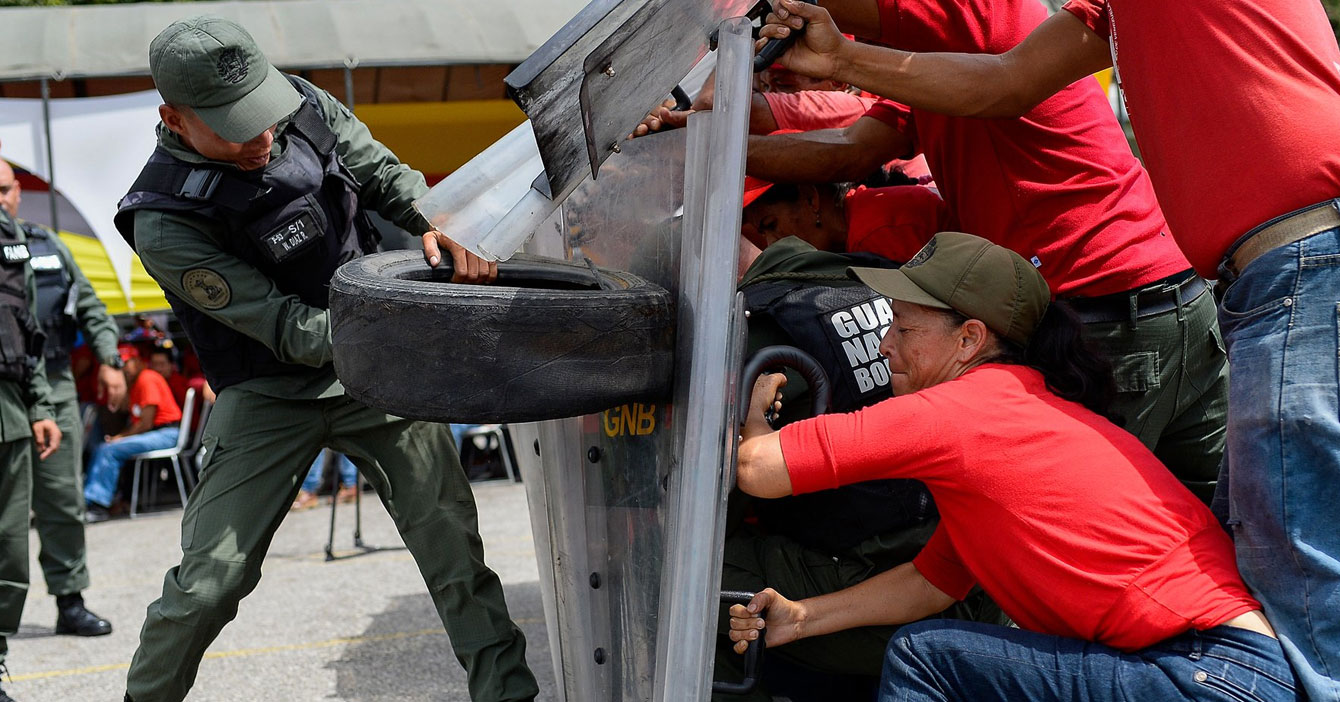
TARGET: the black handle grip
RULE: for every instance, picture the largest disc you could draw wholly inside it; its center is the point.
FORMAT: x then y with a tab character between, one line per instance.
753	656
774	49
682	101
773	358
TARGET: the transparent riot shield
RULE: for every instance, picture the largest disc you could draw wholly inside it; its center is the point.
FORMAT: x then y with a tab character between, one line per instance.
628	506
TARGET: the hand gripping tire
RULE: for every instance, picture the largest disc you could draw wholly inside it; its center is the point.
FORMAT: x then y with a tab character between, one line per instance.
550	339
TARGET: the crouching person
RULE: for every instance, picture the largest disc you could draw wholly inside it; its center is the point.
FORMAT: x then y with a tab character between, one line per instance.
1122	583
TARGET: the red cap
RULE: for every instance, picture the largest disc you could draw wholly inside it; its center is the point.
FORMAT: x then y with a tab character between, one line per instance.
754	189
128	351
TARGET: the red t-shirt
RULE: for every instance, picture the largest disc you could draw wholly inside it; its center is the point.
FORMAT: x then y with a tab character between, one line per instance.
151	390
1236	106
1068	522
894	222
1058	185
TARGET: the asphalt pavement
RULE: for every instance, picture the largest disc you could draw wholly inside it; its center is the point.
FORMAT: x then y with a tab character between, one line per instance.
361	627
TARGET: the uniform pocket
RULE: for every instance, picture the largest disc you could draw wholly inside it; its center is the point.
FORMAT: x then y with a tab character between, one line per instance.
1136	372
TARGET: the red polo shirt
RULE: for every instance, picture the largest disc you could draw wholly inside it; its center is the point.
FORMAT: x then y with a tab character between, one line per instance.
151	390
1068	522
1059	185
1236	106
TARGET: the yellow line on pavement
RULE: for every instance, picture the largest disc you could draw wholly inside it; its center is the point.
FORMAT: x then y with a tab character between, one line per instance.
243	652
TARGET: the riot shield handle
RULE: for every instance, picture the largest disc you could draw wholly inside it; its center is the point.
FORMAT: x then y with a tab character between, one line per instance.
774	358
753	656
774	49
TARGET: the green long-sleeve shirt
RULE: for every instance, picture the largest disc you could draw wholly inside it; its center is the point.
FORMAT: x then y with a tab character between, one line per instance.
21	404
100	330
173	244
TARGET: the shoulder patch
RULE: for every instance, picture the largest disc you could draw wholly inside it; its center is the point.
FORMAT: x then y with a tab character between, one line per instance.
207	289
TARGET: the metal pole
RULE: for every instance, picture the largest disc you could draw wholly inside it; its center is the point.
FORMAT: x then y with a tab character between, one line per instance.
349	83
51	160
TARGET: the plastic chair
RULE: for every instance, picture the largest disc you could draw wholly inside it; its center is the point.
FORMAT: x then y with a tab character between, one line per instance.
184	438
495	436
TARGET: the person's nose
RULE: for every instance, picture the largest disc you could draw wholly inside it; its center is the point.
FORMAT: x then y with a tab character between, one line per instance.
886	344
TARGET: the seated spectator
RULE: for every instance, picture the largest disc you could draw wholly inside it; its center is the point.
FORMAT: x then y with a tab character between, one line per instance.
1122	583
160	360
346	489
892	222
154	415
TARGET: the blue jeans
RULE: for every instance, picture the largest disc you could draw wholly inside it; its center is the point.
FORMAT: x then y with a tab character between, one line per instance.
944	660
105	470
348	473
1280	324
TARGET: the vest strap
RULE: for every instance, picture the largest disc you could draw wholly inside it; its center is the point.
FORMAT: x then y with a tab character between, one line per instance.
200	184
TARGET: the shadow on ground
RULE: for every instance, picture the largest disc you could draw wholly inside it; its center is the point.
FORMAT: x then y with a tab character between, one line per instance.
404	653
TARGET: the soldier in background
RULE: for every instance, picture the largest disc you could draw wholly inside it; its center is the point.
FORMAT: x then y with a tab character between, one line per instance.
66	304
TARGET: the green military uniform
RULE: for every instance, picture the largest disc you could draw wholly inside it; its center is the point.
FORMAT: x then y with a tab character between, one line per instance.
58	495
21	404
264	432
755	560
1172	384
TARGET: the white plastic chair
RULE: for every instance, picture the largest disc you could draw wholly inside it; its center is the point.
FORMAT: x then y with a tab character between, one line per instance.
184	439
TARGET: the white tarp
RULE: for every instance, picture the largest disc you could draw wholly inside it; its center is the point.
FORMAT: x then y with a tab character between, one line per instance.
113	40
100	145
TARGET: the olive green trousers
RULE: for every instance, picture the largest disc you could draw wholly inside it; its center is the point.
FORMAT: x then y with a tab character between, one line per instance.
15	500
58	497
258	450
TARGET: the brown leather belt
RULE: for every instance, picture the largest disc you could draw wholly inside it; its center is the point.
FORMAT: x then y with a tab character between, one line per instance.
1286	229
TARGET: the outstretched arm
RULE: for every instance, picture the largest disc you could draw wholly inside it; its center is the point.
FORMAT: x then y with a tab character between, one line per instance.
828	155
896	596
1059	52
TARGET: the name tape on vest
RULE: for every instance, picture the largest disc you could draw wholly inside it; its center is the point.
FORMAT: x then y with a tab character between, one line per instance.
49	262
16	253
290	239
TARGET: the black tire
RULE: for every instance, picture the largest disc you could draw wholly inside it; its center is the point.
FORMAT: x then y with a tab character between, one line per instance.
545	342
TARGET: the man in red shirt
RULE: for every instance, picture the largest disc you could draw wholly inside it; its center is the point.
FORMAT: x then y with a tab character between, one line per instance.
1214	91
1059	186
1123	584
154	415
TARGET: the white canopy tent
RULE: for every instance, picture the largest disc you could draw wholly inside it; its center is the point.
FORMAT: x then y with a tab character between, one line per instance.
91	149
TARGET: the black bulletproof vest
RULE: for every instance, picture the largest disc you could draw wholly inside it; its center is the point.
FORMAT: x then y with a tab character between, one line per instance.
55	288
20	337
840	323
296	221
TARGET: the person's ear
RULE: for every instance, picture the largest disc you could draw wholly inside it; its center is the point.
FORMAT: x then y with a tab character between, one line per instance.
172	117
973	340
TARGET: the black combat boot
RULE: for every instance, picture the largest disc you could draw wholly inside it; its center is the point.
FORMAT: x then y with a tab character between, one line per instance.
74	618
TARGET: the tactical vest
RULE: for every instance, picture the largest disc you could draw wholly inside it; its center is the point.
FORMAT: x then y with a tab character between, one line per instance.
21	338
56	296
840	323
296	221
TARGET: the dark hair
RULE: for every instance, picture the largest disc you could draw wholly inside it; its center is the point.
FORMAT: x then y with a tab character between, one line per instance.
1072	368
790	192
889	177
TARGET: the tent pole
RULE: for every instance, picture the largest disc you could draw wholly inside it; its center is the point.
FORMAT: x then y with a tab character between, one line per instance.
349	83
51	160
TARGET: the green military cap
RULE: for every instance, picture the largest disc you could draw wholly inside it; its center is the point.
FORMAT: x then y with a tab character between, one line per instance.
972	276
213	66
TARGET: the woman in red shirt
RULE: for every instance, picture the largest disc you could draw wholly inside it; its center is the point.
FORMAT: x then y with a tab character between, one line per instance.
1122	582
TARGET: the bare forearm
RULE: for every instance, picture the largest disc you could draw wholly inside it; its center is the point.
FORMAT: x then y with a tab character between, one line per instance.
825	156
897	596
1059	52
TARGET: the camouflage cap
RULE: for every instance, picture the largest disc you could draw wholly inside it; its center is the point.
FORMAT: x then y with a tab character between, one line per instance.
213	66
972	276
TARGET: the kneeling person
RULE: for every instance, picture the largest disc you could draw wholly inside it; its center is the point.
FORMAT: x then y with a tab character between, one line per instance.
1113	570
154	423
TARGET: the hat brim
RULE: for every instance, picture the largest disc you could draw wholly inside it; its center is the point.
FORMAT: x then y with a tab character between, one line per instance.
895	285
246	118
